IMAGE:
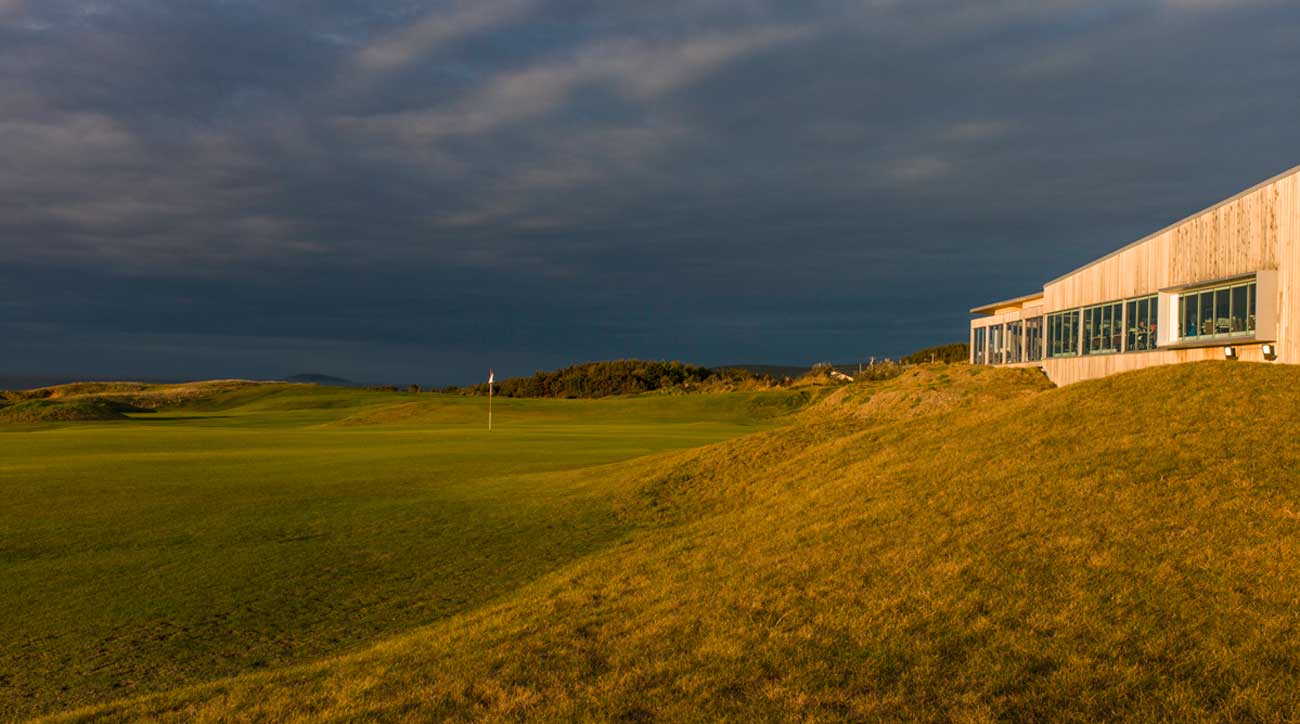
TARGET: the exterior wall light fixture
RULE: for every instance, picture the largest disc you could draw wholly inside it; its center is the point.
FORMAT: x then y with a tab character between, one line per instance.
1270	351
1230	353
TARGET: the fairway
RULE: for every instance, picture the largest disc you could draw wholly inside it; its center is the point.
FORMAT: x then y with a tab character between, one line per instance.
959	544
279	524
956	544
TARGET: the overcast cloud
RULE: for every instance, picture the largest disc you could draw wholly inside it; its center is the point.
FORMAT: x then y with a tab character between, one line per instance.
417	191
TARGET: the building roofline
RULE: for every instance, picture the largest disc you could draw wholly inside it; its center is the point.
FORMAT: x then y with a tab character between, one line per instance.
987	309
1210	282
1290	172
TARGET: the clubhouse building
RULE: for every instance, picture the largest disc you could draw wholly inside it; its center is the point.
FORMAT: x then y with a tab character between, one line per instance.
1221	284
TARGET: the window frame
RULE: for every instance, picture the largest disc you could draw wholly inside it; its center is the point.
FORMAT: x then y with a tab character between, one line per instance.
1014	343
1151	302
1099	322
1210	318
1033	331
1056	328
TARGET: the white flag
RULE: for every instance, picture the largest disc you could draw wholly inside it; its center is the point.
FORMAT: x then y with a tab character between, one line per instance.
491	377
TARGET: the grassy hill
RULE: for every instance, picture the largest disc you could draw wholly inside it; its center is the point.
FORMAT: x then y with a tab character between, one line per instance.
55	411
955	544
247	526
145	395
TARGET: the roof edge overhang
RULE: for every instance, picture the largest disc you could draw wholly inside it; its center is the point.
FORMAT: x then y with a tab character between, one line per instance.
990	309
1235	197
1210	282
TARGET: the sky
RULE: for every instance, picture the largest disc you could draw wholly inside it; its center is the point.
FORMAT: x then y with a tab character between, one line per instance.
404	191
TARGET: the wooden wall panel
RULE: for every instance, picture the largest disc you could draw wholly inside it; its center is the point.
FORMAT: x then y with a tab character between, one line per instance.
1236	238
1256	230
1287	228
1077	369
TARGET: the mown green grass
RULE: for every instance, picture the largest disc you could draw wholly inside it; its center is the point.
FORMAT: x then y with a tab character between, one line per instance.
959	544
262	526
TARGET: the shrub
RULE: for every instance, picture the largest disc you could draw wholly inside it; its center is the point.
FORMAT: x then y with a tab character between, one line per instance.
886	370
44	410
955	352
614	377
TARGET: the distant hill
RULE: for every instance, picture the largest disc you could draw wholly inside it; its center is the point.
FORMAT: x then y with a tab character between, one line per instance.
319	379
69	401
58	411
17	381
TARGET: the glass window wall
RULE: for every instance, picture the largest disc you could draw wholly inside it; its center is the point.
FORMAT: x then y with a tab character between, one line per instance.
1143	316
1221	312
1101	328
1015	342
996	340
1063	334
1033	339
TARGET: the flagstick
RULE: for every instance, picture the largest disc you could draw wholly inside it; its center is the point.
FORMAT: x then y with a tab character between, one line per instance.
489	407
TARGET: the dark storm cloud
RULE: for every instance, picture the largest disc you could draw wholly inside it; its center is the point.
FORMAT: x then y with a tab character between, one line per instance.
415	190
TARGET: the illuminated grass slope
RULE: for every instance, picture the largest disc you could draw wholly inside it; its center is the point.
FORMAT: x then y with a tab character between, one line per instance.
255	526
958	544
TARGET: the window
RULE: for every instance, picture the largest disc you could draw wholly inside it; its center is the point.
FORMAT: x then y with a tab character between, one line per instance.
980	346
1143	316
1187	306
1101	328
1250	308
1063	334
995	344
1207	314
1033	339
1015	341
1223	311
1226	311
1237	315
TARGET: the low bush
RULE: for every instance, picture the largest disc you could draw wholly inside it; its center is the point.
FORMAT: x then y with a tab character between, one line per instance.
618	377
956	352
42	410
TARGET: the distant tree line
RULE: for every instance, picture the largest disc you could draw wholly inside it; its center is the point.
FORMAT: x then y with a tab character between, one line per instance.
950	353
633	377
413	389
617	377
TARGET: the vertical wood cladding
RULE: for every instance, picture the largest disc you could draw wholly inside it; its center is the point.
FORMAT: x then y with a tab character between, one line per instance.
1256	230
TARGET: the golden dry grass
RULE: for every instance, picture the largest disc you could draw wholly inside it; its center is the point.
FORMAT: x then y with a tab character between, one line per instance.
148	395
960	545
